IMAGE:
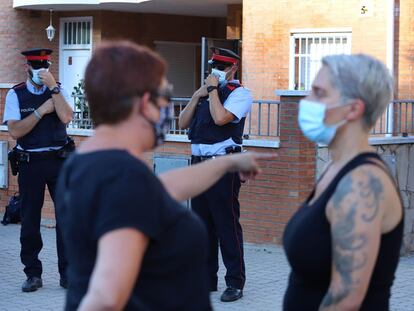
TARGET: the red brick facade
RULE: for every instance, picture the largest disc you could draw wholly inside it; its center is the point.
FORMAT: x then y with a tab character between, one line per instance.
265	27
404	49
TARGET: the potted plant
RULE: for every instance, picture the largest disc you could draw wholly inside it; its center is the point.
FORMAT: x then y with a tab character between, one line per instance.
81	105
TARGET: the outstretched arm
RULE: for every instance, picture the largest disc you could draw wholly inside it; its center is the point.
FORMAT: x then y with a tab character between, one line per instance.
188	182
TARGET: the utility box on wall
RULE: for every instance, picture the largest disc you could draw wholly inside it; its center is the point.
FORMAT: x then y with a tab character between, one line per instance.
164	163
4	164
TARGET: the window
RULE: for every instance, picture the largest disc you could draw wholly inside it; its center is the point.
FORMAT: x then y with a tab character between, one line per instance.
181	58
307	50
76	32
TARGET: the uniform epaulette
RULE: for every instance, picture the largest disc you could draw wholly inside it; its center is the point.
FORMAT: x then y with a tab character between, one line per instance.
232	86
19	86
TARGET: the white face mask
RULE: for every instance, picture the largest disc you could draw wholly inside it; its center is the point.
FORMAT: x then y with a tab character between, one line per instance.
311	119
221	75
35	75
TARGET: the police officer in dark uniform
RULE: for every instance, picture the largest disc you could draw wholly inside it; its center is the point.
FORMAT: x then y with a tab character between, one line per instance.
215	117
36	112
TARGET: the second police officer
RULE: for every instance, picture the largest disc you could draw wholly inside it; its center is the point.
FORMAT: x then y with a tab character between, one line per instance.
36	113
215	117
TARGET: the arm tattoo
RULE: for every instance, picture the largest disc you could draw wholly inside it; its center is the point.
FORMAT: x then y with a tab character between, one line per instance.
347	252
373	192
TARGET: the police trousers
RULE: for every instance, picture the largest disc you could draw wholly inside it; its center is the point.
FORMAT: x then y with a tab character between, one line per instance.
219	208
34	176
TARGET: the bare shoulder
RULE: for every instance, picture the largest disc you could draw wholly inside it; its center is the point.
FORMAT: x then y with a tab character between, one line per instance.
372	193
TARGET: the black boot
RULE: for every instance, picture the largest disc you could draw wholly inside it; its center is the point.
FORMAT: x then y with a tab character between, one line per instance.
231	294
33	283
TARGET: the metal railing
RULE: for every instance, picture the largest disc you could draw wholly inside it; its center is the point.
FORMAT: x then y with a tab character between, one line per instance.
397	119
81	115
405	117
179	104
263	120
262	123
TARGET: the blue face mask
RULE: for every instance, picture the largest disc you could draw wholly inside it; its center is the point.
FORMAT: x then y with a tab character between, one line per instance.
311	121
221	75
35	75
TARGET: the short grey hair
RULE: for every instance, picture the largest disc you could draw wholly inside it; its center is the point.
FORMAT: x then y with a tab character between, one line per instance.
364	77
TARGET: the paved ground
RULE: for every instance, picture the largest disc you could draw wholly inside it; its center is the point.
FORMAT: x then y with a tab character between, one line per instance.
267	272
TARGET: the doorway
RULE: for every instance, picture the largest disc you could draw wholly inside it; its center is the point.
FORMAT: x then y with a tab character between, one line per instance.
75	50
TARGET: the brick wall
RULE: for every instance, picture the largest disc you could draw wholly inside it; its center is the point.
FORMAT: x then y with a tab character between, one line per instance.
20	30
404	47
48	209
266	203
234	21
266	29
24	29
266	32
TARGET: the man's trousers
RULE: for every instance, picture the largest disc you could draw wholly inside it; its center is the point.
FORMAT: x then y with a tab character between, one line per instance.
219	208
33	177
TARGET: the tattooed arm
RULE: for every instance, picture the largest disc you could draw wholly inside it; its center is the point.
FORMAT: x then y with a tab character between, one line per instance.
355	213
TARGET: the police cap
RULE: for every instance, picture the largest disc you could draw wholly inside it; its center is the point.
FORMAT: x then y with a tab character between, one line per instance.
37	54
223	57
38	57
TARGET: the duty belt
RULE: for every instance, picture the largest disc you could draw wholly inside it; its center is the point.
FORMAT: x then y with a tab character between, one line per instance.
229	150
26	157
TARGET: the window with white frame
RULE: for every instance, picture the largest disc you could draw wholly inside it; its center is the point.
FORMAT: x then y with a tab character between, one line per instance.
307	50
77	32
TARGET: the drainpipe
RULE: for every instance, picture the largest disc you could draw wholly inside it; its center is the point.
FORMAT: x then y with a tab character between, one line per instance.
390	59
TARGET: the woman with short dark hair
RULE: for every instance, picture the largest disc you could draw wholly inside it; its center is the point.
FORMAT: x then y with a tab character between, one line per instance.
131	245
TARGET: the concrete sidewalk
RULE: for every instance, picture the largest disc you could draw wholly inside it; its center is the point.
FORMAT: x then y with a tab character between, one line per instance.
267	272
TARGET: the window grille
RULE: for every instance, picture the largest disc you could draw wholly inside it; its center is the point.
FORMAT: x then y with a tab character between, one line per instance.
77	33
308	49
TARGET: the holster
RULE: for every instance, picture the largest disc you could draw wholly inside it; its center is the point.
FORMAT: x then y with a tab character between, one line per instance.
233	149
14	161
67	149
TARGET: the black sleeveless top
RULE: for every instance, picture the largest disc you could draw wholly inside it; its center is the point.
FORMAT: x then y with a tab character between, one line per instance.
307	243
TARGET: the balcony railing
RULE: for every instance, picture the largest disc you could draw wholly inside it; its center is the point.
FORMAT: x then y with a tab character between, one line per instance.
262	123
81	115
397	119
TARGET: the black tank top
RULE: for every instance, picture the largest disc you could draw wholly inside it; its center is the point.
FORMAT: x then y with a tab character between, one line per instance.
307	243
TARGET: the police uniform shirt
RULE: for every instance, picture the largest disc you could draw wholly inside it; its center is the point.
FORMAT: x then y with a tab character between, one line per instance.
12	109
238	103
